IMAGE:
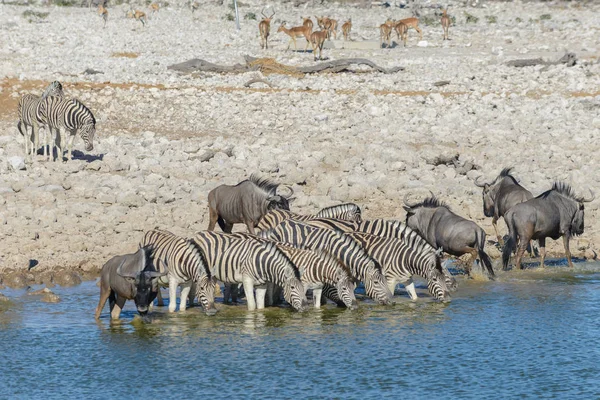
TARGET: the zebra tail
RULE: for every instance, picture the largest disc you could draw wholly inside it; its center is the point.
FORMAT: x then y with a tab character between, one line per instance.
510	244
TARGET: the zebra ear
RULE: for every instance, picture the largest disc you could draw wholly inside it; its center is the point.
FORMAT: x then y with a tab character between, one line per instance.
439	252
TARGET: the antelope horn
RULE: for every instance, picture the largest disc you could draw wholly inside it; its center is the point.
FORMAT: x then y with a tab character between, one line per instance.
584	200
479	184
406	203
262	12
272	14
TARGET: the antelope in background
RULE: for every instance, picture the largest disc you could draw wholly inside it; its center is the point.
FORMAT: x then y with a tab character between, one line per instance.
194	6
264	27
401	32
140	16
317	40
412	22
295	32
307	22
385	33
103	12
445	24
328	24
346	29
155	7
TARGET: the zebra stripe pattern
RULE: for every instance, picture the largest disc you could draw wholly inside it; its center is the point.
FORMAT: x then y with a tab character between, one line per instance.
387	229
72	116
252	262
28	111
347	212
186	265
274	217
349	251
401	260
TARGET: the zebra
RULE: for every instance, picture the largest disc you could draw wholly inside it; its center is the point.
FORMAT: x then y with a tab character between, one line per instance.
234	259
401	260
72	116
386	229
319	268
186	265
29	115
347	212
363	267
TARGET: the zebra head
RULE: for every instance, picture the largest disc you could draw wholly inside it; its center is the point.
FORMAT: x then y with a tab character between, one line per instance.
376	284
294	293
436	284
53	89
345	288
205	291
87	133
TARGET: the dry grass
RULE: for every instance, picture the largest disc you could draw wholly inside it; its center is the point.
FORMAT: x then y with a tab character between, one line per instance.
125	55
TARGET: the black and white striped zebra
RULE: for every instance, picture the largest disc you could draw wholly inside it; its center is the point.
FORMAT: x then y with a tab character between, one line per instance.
401	260
28	110
363	267
186	266
72	116
253	263
386	229
347	212
319	268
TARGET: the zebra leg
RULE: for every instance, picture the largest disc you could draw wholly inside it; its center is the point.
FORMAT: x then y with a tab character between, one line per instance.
261	291
59	146
70	145
35	138
25	138
249	289
183	296
172	294
409	285
391	285
317	297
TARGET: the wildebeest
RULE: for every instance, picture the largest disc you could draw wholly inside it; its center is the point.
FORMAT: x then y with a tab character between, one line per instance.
501	195
247	202
555	213
439	226
127	277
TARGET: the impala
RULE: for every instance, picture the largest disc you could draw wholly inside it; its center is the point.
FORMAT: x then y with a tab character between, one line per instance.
295	32
445	24
264	27
317	40
413	23
346	29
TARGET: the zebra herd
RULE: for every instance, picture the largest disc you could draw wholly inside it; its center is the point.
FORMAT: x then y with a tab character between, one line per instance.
54	111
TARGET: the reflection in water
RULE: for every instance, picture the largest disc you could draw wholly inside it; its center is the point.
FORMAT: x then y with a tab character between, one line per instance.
520	335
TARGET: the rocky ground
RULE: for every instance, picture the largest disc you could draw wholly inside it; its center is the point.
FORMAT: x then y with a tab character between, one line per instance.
164	139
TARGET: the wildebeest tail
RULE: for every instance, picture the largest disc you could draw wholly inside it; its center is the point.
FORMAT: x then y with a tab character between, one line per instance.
511	243
222	225
483	257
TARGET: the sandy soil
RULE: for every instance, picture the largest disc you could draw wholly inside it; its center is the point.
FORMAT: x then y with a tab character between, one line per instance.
164	139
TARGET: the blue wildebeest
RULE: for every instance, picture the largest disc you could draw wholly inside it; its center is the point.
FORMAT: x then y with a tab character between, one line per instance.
132	276
501	195
247	202
555	213
439	226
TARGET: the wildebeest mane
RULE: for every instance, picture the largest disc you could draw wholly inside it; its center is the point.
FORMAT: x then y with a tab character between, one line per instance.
506	173
431	202
563	188
264	183
149	251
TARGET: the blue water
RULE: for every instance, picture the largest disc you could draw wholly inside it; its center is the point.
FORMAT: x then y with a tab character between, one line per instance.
530	334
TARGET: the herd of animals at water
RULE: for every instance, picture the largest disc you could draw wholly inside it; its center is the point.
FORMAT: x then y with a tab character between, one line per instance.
330	252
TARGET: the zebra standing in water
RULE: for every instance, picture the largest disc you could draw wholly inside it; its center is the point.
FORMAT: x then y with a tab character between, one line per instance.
29	115
253	262
401	260
186	265
72	116
363	267
346	212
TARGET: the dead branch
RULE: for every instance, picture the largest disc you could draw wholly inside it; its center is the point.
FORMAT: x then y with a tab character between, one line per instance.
257	80
569	59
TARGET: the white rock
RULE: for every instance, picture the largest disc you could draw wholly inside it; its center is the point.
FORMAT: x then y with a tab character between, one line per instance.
16	163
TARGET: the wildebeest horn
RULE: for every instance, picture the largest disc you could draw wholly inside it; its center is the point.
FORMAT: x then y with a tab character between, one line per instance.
479	184
432	196
120	272
584	200
406	203
156	274
291	191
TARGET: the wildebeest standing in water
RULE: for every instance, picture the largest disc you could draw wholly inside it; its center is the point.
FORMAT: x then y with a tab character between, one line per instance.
555	213
131	276
500	196
440	227
247	202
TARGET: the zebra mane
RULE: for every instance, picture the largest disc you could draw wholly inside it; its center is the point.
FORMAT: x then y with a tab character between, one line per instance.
339	207
331	259
197	249
264	183
54	89
353	244
562	188
79	104
272	248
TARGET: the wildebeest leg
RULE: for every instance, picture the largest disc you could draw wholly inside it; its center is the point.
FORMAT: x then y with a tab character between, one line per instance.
230	290
567	251
409	285
104	295
520	251
213	216
183	296
225	226
495	224
542	242
159	299
471	262
249	289
250	226
118	306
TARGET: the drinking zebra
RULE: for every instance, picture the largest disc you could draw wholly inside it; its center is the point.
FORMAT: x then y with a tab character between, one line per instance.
252	262
401	260
317	269
363	267
186	265
347	212
29	115
72	116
